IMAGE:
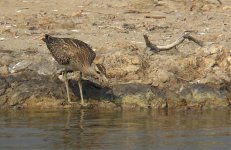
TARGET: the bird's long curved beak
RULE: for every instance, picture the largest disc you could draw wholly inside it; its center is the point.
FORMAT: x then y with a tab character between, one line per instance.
105	81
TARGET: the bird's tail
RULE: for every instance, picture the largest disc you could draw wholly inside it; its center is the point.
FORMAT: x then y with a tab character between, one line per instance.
46	38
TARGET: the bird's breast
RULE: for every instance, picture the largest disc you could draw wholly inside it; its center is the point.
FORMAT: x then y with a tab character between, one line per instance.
79	66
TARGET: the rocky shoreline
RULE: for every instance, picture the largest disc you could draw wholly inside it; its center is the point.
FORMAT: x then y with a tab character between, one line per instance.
139	81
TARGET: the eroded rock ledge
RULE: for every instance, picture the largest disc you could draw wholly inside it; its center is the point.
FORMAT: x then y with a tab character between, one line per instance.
193	79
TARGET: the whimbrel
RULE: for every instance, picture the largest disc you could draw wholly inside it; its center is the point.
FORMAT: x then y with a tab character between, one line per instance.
77	55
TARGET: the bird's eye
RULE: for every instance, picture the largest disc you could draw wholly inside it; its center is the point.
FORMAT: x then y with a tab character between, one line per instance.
98	72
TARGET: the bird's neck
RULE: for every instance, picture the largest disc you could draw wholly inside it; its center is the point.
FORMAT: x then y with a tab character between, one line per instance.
90	71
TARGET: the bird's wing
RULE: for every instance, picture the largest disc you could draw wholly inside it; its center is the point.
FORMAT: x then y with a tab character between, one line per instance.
66	49
59	50
84	51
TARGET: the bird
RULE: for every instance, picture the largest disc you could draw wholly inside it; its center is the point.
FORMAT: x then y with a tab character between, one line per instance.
77	55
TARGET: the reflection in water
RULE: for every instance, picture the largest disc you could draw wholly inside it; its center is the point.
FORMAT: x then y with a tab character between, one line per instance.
70	129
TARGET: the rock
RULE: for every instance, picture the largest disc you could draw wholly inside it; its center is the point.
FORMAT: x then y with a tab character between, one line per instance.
92	90
41	63
19	66
222	74
203	96
20	87
131	68
217	76
135	61
129	26
229	60
132	95
130	89
3	85
122	63
207	63
157	77
163	75
4	70
6	59
136	96
211	51
45	65
116	73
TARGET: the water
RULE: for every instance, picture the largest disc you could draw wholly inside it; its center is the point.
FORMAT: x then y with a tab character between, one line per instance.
69	129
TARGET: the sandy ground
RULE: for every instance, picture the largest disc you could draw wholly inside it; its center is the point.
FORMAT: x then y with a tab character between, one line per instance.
108	24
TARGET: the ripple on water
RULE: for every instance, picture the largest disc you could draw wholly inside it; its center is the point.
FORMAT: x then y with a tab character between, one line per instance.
70	129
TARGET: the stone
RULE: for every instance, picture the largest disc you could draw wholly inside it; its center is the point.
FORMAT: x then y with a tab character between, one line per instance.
211	50
4	70
203	96
3	85
208	63
19	66
163	75
21	87
6	59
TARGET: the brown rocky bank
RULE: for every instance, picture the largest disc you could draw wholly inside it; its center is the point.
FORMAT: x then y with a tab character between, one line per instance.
165	80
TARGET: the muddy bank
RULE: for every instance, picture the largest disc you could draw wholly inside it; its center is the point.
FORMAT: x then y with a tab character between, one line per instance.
165	80
21	91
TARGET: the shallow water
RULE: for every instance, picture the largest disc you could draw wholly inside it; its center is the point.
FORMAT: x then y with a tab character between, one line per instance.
69	129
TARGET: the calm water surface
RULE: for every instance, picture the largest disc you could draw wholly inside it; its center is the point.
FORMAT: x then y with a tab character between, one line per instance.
69	129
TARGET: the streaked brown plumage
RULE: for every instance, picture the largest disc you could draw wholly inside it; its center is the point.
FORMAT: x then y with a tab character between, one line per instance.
77	55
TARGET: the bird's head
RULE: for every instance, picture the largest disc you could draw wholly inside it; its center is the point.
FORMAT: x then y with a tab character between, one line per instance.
99	71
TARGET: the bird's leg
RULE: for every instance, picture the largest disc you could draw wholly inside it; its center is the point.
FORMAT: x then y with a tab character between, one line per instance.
80	88
64	74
